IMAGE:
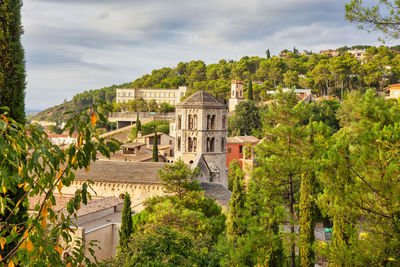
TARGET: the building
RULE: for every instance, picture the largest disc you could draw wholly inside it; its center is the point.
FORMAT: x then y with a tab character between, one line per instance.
394	90
236	94
200	136
359	54
170	96
330	52
236	147
302	94
62	139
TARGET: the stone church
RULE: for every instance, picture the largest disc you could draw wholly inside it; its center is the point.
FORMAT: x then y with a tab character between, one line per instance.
201	134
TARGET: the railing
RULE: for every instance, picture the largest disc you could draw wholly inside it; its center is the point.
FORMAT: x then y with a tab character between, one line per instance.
142	115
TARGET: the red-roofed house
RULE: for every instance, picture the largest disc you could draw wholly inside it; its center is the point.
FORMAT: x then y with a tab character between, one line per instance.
235	147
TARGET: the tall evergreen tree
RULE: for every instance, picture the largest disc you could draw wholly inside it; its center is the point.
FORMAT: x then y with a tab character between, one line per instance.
155	146
12	67
12	92
250	91
235	227
268	54
138	124
126	223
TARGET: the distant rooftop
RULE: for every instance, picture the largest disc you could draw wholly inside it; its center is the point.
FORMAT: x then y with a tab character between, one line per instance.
243	139
201	99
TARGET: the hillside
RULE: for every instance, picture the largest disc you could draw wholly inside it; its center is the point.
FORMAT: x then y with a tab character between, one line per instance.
321	73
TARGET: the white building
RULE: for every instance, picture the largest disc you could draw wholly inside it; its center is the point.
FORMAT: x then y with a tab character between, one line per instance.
236	94
170	96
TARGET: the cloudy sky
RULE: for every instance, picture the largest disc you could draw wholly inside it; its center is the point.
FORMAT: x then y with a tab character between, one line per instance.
75	45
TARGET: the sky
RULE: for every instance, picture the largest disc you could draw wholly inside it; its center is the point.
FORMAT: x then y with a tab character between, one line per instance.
76	45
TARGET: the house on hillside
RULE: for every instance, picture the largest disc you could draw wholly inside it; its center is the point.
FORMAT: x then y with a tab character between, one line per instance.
236	147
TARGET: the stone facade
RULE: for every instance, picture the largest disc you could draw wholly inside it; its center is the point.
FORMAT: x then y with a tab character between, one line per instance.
201	134
170	96
236	94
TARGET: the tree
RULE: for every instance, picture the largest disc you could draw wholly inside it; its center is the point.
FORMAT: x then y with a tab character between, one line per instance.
250	91
155	146
12	68
235	227
126	222
30	162
178	179
382	17
246	119
268	54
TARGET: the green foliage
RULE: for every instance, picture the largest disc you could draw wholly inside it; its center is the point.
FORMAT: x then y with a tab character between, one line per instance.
12	67
234	166
247	118
250	91
325	111
234	224
31	163
178	179
55	129
161	126
126	222
382	17
155	146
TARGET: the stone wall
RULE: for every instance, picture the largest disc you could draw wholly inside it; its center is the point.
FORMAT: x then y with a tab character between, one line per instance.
139	193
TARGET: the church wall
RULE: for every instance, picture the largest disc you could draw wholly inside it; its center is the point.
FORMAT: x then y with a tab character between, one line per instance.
139	193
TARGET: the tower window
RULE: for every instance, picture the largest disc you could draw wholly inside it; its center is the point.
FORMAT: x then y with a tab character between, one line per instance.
179	144
222	144
179	122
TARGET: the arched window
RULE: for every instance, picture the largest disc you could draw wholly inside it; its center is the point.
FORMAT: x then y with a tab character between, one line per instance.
213	122
210	144
190	122
223	122
179	122
179	144
190	144
194	144
222	144
194	122
208	122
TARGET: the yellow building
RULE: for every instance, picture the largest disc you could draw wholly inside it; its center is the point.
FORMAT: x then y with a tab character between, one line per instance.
170	96
394	90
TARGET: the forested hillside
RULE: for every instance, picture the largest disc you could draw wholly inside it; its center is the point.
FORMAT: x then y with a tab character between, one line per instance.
321	73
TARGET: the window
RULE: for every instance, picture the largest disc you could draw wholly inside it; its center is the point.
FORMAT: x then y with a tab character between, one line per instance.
223	121
179	144
241	149
210	144
222	144
194	144
179	122
190	144
229	150
190	122
195	122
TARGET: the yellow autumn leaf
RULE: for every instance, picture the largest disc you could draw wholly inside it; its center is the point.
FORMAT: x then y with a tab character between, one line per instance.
80	140
59	249
60	173
3	241
68	264
4	190
1	257
43	223
73	161
29	245
11	264
21	185
44	211
20	171
87	168
59	187
93	118
26	187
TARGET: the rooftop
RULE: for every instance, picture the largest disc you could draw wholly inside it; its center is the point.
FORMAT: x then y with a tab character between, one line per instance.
133	145
243	139
122	172
201	99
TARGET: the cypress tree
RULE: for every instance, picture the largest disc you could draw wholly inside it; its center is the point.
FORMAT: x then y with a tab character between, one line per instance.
236	206
12	67
307	220
138	124
250	91
126	222
12	90
268	54
155	147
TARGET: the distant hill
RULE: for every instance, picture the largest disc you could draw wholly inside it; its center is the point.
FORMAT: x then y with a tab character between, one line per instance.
321	73
78	102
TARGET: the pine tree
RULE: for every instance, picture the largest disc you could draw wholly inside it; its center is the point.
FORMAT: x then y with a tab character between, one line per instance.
234	227
268	54
12	67
155	146
250	91
126	222
307	220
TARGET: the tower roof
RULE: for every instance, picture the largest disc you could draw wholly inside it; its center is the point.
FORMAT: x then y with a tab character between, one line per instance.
201	99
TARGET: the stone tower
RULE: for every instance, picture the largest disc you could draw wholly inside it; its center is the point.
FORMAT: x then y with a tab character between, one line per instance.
236	94
201	134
